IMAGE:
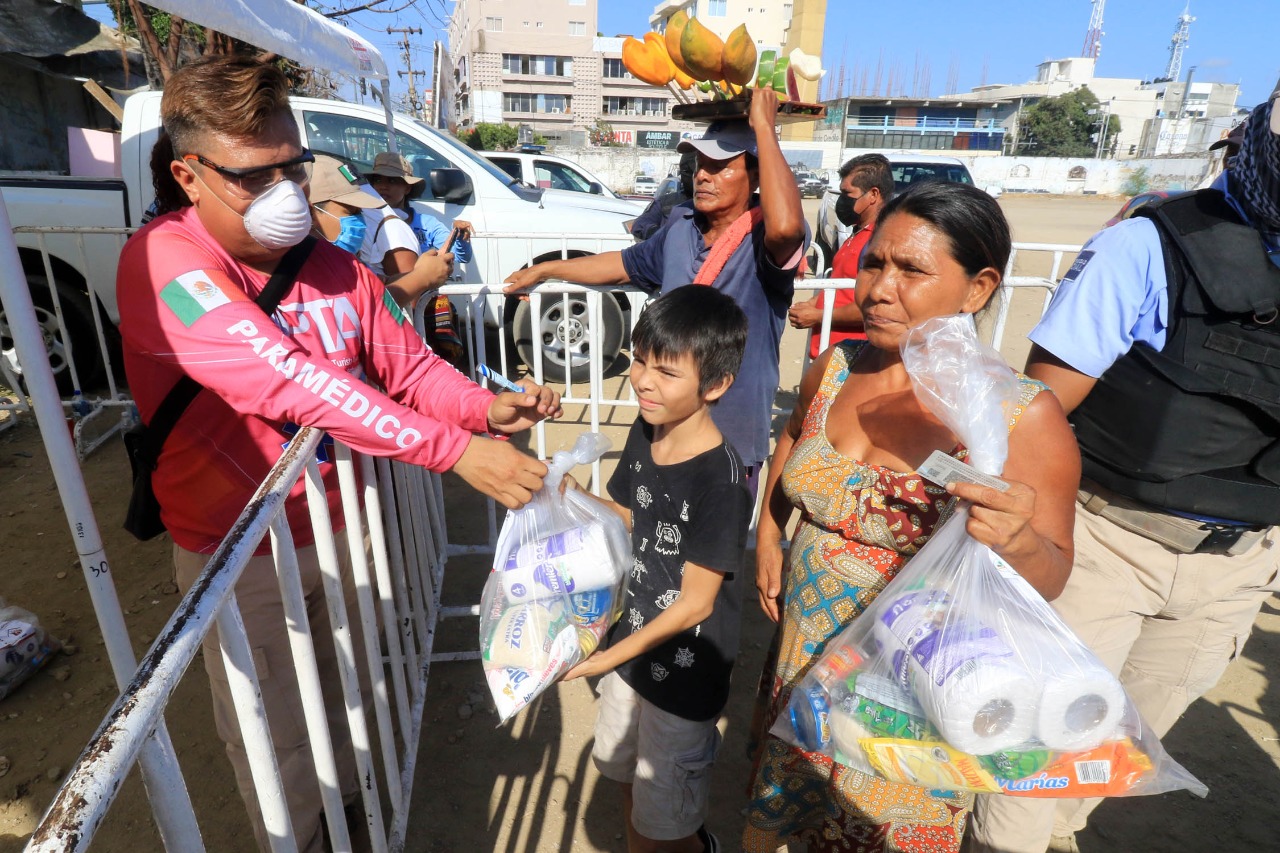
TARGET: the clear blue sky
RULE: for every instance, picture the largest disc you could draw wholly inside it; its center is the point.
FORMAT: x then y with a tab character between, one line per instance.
1232	41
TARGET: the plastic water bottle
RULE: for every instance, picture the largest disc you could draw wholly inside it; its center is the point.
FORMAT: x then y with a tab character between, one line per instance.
80	407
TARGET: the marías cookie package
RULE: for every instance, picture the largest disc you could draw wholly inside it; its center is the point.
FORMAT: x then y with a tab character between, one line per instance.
959	676
559	574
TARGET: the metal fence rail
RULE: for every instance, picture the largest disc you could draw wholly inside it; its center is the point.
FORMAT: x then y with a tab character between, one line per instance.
397	510
92	414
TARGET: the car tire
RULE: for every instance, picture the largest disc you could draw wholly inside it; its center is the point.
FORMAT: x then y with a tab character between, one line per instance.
78	316
563	335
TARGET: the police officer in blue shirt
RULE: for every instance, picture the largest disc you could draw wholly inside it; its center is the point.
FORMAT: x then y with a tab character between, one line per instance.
1163	345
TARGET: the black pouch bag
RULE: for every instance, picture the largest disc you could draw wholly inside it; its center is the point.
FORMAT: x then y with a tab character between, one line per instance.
144	442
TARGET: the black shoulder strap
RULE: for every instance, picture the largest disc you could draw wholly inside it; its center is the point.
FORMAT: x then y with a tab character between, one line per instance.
181	395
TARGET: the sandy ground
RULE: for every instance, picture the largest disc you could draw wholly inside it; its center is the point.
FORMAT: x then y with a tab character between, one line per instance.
528	786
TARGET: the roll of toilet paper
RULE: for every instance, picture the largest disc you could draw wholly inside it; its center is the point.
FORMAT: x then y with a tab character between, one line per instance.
986	705
969	682
573	560
1080	709
524	635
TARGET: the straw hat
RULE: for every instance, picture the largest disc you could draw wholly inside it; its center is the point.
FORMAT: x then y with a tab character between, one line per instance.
392	165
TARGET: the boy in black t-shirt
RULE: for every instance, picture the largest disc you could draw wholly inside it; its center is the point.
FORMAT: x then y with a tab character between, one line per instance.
682	490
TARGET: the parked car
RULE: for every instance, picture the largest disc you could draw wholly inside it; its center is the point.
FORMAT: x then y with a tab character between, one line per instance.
645	185
548	172
460	185
810	184
1126	210
907	169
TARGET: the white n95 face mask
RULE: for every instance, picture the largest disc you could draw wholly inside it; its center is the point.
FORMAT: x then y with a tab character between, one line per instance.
280	217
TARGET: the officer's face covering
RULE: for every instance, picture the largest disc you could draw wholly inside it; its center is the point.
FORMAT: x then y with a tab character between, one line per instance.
1255	171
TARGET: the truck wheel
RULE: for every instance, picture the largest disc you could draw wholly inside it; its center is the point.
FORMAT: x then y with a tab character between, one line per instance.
563	335
76	312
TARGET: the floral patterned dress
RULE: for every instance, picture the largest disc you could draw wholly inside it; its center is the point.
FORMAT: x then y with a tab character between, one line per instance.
859	524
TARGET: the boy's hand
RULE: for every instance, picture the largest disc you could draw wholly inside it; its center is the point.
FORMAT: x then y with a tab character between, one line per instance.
590	666
511	412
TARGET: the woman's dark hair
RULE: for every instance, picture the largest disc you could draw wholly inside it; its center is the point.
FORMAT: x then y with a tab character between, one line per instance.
169	196
973	222
697	320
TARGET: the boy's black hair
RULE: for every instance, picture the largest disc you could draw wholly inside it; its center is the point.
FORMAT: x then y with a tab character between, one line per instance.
697	320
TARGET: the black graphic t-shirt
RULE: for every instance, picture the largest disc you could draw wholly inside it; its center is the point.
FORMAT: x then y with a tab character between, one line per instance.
696	511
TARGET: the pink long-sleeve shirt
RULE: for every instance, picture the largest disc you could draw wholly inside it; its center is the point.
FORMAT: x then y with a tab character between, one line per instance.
186	307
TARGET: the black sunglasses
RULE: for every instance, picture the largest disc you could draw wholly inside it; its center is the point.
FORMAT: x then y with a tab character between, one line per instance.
254	181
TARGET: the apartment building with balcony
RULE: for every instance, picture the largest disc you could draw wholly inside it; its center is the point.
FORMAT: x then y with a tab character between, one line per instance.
542	63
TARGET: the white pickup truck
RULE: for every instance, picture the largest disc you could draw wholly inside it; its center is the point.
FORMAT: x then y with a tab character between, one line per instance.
514	224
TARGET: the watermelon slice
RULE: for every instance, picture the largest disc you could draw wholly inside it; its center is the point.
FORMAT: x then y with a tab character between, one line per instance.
764	72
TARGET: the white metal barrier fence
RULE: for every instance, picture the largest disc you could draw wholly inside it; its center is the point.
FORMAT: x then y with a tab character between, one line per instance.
399	508
91	413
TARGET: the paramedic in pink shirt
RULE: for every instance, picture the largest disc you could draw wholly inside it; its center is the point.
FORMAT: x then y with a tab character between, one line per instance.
338	354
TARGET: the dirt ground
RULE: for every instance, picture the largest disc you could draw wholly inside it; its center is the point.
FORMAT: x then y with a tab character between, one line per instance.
528	787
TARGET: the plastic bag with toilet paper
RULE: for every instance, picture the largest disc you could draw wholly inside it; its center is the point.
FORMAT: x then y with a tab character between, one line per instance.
559	574
960	676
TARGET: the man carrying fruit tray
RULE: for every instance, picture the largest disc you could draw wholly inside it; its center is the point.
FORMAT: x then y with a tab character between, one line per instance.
744	234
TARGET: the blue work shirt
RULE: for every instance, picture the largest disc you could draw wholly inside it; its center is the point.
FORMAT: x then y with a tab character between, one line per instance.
1116	294
432	234
671	258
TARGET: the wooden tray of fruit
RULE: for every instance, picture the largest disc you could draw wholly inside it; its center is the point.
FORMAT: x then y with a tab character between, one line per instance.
692	62
789	112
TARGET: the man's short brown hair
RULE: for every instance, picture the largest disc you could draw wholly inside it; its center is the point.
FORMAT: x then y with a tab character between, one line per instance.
235	96
870	170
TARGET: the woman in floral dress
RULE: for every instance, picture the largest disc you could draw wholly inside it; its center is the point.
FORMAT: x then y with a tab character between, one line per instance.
847	459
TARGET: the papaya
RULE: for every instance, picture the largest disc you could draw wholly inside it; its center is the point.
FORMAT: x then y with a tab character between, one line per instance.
647	63
675	29
701	50
658	44
739	62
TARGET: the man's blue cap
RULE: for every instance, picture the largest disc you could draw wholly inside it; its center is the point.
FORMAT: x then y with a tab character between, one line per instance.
723	140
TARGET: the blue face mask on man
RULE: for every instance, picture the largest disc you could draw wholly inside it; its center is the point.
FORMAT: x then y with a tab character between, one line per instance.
351	235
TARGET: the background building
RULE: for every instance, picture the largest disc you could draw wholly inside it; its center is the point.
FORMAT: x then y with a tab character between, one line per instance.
542	63
1143	108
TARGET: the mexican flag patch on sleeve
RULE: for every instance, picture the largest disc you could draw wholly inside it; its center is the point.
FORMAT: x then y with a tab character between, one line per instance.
192	295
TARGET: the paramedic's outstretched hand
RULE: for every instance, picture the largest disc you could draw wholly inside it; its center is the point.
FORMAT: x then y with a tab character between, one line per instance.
497	469
511	412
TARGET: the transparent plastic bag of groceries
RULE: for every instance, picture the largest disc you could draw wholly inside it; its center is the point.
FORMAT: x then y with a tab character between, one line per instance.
559	577
959	676
25	646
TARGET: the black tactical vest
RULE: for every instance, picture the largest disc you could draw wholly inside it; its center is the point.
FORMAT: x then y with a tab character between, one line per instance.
1196	427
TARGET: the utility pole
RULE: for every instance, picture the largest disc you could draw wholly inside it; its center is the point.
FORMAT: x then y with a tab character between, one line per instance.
1102	131
407	57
